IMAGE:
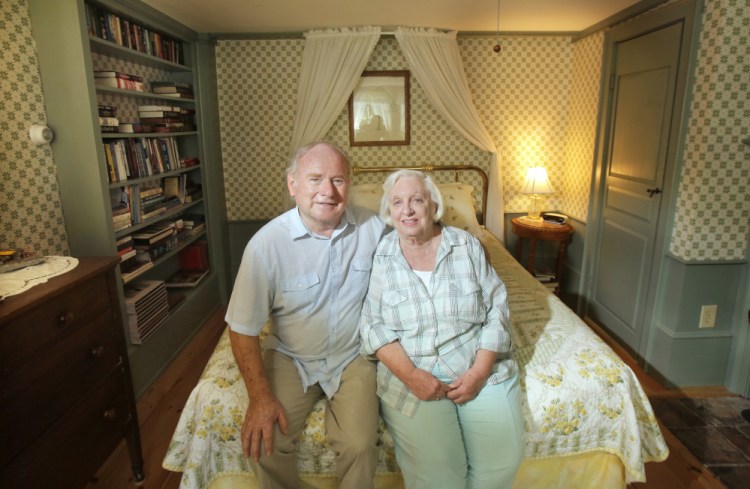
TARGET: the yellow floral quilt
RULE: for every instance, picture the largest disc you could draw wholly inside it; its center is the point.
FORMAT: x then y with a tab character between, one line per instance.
579	398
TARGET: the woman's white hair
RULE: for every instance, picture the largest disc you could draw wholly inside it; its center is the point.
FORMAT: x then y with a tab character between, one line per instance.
435	195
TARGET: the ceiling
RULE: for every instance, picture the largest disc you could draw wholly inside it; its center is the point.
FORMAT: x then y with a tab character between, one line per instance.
289	16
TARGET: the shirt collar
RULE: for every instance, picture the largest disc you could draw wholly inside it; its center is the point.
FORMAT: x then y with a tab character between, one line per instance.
450	239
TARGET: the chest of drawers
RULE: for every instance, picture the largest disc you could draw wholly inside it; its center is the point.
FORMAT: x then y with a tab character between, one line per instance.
66	398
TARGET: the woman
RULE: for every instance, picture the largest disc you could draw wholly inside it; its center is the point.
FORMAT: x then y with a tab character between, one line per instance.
436	317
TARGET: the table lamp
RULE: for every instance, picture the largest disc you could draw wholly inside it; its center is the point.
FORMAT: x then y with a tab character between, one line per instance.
536	184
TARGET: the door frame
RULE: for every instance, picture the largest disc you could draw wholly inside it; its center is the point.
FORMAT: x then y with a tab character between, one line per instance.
687	11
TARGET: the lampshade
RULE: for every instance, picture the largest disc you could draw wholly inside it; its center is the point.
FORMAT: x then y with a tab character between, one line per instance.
536	184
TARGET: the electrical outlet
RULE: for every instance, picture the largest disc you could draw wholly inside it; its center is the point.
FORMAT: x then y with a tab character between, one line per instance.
708	316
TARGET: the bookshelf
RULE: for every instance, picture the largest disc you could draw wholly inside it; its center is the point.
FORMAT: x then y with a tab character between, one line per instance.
69	55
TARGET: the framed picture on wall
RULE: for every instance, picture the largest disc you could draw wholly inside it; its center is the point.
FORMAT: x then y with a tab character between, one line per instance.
379	109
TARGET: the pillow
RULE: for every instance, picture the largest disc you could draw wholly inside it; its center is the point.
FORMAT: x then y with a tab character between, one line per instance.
460	208
458	199
366	195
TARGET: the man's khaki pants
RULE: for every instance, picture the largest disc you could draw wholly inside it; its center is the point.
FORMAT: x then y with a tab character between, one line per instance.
351	423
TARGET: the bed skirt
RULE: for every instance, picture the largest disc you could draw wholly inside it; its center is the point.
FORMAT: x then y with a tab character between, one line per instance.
596	470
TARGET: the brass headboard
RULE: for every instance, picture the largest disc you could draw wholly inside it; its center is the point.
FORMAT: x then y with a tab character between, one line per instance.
433	168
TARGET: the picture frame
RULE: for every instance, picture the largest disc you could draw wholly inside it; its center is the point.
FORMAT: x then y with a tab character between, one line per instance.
380	109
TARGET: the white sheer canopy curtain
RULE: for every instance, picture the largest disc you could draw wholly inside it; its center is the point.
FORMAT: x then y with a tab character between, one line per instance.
434	58
332	63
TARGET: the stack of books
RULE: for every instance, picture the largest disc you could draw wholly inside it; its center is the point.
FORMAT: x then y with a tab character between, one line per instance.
173	89
194	223
109	124
120	203
119	79
147	308
548	279
167	118
108	118
126	250
157	239
150	202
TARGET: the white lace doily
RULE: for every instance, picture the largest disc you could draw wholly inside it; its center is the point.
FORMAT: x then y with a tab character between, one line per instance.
17	281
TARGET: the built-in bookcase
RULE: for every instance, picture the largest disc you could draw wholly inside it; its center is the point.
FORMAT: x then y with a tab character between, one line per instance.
75	39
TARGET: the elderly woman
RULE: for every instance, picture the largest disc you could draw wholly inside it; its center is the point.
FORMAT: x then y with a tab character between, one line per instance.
436	317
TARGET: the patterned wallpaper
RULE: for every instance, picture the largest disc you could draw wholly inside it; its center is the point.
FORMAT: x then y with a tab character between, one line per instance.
521	94
712	218
30	213
582	115
537	98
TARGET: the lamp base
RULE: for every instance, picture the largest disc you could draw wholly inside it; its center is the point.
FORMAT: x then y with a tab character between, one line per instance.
534	211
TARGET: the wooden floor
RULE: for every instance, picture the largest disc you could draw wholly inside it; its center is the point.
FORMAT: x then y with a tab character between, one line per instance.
159	409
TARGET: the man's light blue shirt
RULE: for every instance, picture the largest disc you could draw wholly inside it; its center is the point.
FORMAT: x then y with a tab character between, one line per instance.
311	287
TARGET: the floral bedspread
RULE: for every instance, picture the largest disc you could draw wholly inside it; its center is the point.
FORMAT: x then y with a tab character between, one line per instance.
579	396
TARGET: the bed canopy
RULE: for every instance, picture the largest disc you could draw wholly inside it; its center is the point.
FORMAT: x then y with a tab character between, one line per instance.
334	59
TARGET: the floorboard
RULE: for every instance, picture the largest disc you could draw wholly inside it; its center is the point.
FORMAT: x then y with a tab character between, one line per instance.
160	406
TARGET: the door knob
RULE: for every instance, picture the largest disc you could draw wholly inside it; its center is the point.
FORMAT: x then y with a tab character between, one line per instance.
653	191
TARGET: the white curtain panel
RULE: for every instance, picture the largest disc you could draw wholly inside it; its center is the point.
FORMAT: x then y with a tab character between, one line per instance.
434	59
332	63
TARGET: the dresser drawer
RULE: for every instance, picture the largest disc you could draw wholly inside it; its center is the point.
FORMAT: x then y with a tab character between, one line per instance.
50	322
76	445
53	380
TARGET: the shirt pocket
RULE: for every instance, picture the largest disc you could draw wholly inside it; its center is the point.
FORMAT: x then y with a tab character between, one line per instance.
360	277
300	292
468	302
398	312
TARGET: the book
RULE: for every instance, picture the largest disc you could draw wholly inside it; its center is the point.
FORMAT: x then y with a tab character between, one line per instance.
189	161
172	88
187	96
107	111
108	124
168	108
152	234
117	74
194	257
150	115
169	84
147	308
185	279
121	83
132	127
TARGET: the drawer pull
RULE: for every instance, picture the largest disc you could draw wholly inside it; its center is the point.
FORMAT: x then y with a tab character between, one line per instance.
110	414
97	351
65	317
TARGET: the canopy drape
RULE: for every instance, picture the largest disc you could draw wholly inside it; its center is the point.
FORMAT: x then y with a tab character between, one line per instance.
434	59
332	63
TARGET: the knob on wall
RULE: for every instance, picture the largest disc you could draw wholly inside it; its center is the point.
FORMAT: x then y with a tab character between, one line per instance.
40	134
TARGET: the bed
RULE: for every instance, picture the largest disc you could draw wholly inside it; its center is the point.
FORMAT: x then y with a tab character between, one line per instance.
588	422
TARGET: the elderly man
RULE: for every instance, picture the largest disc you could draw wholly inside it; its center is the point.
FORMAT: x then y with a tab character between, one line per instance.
308	270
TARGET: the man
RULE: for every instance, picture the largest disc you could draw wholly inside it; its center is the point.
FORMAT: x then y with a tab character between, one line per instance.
308	270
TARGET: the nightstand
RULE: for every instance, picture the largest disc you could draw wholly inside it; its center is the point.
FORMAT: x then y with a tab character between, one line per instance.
542	231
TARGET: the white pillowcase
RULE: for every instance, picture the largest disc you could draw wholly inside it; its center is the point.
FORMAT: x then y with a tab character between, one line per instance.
458	199
460	209
366	195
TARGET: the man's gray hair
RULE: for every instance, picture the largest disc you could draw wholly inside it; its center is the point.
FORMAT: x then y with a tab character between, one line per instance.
303	150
